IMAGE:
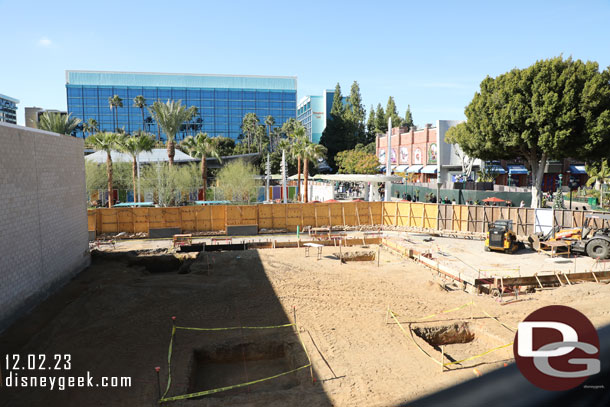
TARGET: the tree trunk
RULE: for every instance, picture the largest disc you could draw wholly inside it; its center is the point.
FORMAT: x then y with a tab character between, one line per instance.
306	176
537	176
134	171
204	177
299	178
270	141
171	151
109	174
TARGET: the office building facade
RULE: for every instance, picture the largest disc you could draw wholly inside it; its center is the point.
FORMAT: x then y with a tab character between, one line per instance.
314	111
8	109
32	115
221	100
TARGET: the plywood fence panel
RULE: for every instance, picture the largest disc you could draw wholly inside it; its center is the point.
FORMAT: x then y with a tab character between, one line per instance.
265	216
188	218
308	214
336	214
402	215
241	215
125	220
390	211
109	221
321	214
349	214
294	216
430	216
91	220
376	210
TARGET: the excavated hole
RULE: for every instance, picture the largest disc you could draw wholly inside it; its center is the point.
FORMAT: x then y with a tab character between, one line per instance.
457	332
232	364
356	256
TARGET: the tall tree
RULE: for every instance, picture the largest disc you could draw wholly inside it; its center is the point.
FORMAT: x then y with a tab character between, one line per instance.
334	135
260	135
391	111
298	141
140	102
381	123
90	126
408	122
290	125
202	146
170	117
106	142
248	127
371	126
114	102
357	161
554	109
269	122
355	115
58	123
134	145
311	152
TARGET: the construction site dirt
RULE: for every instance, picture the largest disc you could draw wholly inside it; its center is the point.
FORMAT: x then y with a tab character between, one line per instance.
375	331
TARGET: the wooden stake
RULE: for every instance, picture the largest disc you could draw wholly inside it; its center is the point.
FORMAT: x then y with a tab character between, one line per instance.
378	254
442	358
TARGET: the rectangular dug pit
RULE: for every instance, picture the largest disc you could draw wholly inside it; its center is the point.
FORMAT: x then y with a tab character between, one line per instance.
234	363
446	334
356	256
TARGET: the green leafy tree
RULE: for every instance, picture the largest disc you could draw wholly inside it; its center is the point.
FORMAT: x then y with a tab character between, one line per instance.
90	126
260	136
371	125
289	126
140	102
408	122
381	123
357	161
391	111
355	115
134	145
236	181
599	174
58	123
553	109
334	135
170	117
224	145
168	182
202	146
114	102
311	152
106	142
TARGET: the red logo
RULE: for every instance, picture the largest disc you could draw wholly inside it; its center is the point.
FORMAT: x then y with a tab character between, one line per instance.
557	348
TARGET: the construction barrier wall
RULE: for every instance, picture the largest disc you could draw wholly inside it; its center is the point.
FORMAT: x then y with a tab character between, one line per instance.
460	218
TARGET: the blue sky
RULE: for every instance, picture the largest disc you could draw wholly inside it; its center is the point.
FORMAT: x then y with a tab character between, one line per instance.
429	54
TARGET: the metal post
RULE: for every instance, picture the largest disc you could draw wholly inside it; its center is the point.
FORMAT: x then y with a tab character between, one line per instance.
284	180
138	169
268	177
388	168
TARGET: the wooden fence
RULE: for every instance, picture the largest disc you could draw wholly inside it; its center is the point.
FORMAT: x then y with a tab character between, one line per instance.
289	216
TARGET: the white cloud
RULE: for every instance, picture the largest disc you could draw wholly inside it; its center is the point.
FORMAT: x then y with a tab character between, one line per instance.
45	42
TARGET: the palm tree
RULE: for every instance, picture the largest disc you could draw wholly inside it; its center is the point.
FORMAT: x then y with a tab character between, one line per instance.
297	148
202	146
58	123
598	177
269	122
311	152
170	116
115	102
90	126
105	141
133	146
249	126
140	102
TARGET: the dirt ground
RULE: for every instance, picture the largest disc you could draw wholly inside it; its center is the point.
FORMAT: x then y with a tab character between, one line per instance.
114	319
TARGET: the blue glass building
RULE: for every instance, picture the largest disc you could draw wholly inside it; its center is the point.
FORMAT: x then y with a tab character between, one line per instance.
222	100
8	109
314	111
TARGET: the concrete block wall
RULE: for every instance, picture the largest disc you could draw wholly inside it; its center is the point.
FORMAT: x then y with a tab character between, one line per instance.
43	216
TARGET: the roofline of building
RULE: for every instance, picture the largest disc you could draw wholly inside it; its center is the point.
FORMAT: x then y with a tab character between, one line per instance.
9	98
68	71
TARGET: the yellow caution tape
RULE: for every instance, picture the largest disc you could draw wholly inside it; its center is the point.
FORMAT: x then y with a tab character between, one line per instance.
478	356
413	339
169	360
496	319
188	328
447	311
221	389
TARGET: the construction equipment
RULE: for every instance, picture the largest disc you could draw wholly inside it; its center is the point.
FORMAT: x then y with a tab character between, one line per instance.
594	242
501	237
